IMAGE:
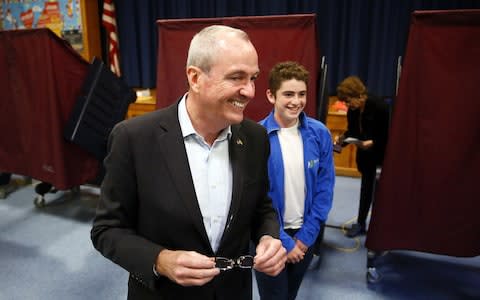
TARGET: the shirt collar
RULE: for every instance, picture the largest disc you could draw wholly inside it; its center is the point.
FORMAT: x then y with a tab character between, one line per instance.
272	125
186	123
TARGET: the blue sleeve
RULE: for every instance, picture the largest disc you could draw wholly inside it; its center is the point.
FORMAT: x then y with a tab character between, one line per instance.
287	240
321	192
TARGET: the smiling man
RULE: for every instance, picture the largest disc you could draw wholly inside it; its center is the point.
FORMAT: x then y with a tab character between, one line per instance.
185	189
302	177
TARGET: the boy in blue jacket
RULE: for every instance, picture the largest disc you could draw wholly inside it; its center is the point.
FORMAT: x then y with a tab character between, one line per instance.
301	173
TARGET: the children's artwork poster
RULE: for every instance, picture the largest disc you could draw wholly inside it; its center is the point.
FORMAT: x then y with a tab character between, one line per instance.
63	17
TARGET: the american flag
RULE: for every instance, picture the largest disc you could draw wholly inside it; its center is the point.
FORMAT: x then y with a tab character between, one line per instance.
108	21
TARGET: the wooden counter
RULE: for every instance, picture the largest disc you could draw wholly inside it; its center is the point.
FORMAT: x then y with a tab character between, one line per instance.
345	164
143	105
139	108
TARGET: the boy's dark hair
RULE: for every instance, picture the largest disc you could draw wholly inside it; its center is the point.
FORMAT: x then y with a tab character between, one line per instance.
285	71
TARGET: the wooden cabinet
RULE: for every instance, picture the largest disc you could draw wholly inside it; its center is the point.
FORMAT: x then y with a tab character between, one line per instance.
345	164
144	104
139	108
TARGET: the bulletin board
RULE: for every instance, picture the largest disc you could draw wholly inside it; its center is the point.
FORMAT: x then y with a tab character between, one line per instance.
73	20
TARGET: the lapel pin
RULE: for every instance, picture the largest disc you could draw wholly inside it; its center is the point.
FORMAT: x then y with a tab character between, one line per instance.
239	142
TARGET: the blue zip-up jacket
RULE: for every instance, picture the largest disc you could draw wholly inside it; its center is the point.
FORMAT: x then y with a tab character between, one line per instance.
319	177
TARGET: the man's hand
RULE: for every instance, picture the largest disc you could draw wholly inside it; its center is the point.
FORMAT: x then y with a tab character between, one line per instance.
186	268
271	256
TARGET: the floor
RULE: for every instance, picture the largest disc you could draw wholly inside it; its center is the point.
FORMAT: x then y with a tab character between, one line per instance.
46	253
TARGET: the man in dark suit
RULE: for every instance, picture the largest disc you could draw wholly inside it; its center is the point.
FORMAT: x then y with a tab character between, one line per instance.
368	121
185	189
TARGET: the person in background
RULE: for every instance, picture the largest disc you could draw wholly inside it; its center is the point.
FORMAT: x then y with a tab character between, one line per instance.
368	121
301	173
185	189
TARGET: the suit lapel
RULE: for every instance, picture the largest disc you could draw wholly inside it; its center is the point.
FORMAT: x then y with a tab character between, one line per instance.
175	155
237	157
173	150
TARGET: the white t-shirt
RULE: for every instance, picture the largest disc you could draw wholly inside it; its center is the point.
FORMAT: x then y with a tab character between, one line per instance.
291	145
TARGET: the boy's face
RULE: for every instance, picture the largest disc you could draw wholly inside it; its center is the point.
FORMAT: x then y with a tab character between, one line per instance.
289	101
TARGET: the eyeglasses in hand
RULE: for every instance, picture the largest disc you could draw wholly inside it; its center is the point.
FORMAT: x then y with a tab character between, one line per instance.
243	262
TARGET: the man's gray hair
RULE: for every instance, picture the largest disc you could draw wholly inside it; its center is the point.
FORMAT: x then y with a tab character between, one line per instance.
204	45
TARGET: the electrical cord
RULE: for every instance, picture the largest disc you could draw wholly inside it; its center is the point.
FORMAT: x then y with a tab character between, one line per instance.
343	228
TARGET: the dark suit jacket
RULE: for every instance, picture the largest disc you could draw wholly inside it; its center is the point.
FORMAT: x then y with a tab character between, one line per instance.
148	203
371	124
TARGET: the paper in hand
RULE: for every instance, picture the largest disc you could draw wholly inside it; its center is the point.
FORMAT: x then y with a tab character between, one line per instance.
351	140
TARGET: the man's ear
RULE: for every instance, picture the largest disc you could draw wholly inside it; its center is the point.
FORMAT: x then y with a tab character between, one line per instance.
270	96
193	76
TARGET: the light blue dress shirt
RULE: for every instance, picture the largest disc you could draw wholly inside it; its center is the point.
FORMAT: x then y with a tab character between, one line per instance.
212	175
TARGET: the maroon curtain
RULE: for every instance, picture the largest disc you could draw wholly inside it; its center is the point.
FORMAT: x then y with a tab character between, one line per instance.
276	38
428	196
40	77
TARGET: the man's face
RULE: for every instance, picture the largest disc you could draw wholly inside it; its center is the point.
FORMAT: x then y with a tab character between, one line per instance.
289	101
226	89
